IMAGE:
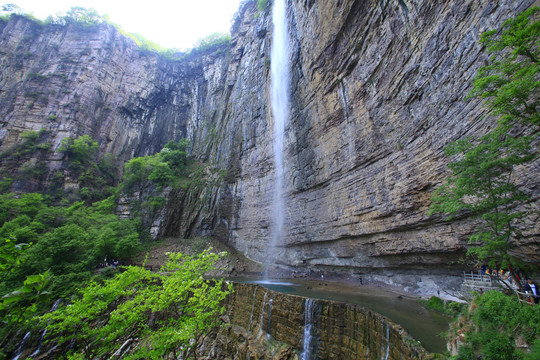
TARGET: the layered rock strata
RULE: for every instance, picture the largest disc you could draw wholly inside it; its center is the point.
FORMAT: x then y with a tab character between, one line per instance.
259	317
377	92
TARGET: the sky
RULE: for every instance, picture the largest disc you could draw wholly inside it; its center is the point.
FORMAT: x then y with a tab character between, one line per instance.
169	23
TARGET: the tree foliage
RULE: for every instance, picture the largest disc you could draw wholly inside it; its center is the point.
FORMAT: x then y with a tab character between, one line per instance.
156	170
212	41
96	175
510	82
483	181
483	184
495	322
19	306
69	241
183	305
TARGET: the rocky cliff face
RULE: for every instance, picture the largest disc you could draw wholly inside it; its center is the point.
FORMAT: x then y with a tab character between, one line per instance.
334	330
75	80
377	92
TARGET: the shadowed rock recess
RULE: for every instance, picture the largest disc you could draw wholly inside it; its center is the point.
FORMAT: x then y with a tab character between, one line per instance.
377	92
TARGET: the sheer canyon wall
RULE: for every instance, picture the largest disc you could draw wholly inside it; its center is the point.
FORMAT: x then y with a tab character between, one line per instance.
377	92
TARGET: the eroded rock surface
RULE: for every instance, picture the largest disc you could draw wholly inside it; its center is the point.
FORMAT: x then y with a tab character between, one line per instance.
377	92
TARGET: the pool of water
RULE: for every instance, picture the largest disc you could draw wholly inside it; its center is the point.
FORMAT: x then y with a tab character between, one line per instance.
424	325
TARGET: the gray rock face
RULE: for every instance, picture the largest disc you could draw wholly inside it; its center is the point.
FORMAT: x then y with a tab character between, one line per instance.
73	81
377	92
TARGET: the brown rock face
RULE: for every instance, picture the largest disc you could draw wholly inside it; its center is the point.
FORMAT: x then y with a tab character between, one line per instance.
340	331
377	92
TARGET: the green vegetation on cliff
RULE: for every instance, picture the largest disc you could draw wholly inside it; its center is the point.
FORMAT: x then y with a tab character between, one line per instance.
495	327
160	313
159	170
53	242
483	181
483	184
85	19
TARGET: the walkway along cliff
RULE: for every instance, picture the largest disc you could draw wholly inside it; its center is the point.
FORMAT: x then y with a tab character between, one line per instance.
377	91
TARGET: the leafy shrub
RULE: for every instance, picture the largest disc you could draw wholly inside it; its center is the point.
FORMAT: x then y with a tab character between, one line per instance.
107	314
450	308
497	321
156	170
212	41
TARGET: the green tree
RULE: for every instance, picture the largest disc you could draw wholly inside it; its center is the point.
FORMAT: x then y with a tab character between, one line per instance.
158	170
494	324
18	307
482	185
510	82
212	41
94	174
80	151
105	316
482	182
175	155
81	17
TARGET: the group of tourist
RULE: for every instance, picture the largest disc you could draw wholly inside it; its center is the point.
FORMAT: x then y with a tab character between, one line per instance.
528	286
107	263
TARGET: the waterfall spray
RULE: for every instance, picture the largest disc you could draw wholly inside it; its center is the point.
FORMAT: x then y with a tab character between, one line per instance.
279	69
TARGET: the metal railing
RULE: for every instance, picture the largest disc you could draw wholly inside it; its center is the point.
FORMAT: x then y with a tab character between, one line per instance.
471	276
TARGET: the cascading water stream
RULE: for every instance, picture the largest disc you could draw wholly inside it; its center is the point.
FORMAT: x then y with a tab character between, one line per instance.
280	78
38	349
309	311
261	331
252	309
386	351
21	347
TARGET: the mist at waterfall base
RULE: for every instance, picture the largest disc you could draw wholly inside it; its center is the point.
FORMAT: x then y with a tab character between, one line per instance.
279	70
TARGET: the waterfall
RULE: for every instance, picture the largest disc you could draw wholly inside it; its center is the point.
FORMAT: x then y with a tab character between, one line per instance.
21	347
269	321
279	70
38	349
384	354
262	314
252	309
308	328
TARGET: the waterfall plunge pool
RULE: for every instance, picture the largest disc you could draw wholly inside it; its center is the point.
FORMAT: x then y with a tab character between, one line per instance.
422	324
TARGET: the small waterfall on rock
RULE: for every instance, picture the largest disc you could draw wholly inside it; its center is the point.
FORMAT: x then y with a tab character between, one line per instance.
269	319
38	349
309	312
386	352
262	314
252	309
279	69
21	347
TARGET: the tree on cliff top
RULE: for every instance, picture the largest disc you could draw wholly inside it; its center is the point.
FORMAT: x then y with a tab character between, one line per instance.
483	179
